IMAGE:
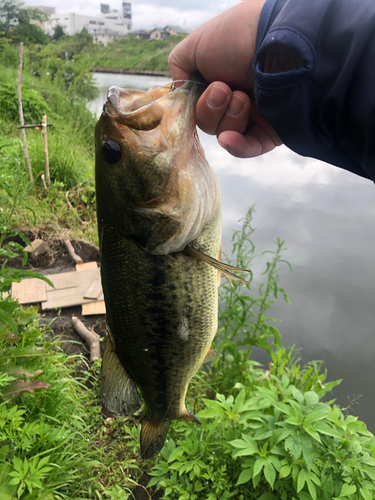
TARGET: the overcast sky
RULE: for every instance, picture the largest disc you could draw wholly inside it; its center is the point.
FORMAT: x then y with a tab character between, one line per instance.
147	13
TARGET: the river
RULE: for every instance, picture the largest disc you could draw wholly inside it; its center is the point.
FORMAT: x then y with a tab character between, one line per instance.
327	218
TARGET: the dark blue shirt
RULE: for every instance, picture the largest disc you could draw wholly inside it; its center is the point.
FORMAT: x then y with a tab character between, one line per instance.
314	78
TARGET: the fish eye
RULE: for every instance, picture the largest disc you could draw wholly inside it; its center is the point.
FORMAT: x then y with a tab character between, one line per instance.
111	151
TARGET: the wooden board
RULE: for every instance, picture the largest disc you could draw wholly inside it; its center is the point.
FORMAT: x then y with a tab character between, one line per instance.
86	266
69	289
97	307
29	291
71	279
95	289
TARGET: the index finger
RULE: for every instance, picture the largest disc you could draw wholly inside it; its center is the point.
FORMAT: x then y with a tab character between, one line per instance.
182	60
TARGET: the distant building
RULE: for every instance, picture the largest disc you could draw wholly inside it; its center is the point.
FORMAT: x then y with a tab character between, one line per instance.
163	33
127	10
158	34
104	36
46	10
141	34
175	30
105	8
109	24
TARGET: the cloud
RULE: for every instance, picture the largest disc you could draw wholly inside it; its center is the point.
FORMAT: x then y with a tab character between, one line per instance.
189	14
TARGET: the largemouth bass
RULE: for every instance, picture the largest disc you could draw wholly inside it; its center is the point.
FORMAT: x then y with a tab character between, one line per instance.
159	222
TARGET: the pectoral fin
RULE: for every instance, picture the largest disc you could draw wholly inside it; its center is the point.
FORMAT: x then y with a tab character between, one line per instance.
211	354
118	391
221	266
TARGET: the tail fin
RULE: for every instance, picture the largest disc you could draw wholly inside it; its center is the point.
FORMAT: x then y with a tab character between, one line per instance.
153	437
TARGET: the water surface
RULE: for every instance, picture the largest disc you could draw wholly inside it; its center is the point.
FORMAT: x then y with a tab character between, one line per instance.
327	218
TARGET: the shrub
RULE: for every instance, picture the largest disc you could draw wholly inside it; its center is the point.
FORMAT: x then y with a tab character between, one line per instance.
265	434
34	106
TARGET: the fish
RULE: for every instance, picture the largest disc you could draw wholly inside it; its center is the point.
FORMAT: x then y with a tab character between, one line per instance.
160	230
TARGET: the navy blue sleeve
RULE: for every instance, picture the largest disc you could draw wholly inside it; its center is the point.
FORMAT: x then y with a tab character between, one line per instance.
314	78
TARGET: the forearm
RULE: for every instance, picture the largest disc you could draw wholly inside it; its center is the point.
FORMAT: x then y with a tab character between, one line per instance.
314	78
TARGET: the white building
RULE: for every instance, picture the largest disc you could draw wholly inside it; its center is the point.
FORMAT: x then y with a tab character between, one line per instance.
109	24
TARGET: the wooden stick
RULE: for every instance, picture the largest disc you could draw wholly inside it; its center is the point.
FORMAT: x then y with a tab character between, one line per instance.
45	149
77	259
44	183
20	111
91	338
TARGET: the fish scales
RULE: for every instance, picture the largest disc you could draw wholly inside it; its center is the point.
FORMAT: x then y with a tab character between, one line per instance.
159	222
150	346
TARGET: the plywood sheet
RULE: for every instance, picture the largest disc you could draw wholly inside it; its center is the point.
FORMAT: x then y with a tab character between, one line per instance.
69	289
97	307
29	291
86	266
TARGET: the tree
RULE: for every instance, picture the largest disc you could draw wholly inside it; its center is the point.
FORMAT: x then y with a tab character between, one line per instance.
18	22
58	32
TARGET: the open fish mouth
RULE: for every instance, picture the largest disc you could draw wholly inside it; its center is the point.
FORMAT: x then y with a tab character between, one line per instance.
140	110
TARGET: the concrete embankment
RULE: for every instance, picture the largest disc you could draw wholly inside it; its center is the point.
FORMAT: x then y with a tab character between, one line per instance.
102	69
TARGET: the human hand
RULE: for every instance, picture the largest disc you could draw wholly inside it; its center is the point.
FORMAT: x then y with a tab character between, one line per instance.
222	50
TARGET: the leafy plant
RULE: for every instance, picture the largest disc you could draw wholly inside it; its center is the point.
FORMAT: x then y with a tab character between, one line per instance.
265	434
270	441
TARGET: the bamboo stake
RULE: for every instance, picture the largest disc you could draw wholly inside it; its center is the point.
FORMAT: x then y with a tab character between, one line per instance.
20	110
45	149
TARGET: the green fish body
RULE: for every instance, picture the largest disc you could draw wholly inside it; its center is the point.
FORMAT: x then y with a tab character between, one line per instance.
159	221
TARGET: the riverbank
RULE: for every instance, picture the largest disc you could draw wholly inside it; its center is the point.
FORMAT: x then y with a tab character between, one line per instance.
124	71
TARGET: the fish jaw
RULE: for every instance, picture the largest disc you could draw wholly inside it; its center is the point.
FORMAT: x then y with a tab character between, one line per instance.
159	190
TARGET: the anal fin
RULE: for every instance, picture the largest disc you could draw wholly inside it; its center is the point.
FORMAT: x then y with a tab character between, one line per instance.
118	391
189	416
225	269
153	437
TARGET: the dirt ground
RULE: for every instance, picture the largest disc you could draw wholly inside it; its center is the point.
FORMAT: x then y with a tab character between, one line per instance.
57	260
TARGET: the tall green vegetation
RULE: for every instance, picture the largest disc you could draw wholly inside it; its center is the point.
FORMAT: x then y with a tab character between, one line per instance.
58	88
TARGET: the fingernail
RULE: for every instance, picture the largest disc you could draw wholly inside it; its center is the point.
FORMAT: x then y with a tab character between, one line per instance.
217	97
236	106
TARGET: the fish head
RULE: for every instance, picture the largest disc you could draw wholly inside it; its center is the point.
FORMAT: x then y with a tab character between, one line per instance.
150	165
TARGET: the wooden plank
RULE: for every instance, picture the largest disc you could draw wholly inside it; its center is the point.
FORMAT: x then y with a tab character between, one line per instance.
29	291
95	289
86	266
72	295
71	279
97	307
